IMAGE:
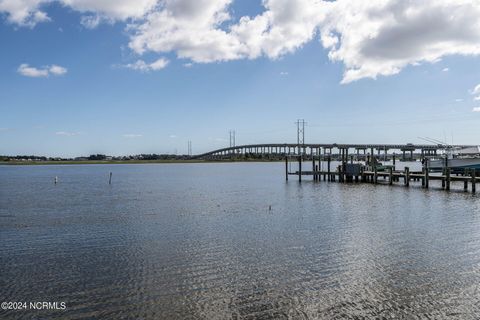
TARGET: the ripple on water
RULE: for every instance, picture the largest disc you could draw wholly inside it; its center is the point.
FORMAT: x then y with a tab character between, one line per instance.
198	241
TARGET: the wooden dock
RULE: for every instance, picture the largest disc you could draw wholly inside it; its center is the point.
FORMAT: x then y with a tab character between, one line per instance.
389	176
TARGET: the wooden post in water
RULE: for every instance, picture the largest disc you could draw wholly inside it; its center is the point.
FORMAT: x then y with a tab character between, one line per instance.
465	182
299	168
427	176
375	175
390	180
447	177
444	173
313	165
328	169
286	168
473	180
317	176
423	178
110	179
407	176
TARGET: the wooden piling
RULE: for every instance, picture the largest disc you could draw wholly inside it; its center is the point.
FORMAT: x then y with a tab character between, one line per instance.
447	178
110	179
300	168
427	177
313	167
390	176
473	180
328	168
286	168
444	173
407	176
375	175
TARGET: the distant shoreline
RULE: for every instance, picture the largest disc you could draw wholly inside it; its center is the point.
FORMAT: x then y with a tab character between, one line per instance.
73	162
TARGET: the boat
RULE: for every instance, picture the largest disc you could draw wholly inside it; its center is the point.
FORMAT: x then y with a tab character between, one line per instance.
457	160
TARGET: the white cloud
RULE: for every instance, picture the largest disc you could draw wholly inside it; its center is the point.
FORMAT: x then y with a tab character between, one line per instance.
203	31
188	65
142	66
476	93
25	70
445	69
172	136
476	109
67	134
458	100
112	9
132	135
90	21
476	90
29	12
24	12
370	38
382	37
284	73
57	70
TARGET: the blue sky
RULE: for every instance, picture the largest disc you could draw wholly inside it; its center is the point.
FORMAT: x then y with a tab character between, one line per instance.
76	80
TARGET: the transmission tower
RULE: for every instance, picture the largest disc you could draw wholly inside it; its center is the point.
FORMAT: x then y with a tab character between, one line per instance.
232	138
300	134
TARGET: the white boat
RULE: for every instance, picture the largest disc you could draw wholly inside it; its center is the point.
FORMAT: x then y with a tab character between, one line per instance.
457	160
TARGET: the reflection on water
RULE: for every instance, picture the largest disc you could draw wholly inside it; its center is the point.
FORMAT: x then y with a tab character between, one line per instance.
198	241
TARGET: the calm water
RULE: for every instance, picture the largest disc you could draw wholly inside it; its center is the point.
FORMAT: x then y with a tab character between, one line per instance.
198	241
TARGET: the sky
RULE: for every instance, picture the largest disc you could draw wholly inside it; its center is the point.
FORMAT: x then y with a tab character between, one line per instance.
79	77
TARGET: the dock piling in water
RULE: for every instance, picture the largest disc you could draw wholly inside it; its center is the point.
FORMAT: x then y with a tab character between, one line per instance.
473	180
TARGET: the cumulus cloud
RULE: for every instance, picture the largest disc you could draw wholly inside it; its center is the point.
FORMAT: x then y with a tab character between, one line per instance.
142	66
370	38
445	69
382	37
203	30
30	12
24	12
476	109
26	70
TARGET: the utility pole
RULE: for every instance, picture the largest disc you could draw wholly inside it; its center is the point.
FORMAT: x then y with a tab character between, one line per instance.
189	148
300	134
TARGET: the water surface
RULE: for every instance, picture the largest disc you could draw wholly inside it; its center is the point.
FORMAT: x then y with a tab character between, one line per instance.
198	241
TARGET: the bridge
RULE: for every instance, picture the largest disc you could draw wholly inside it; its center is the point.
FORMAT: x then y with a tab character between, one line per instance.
408	151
